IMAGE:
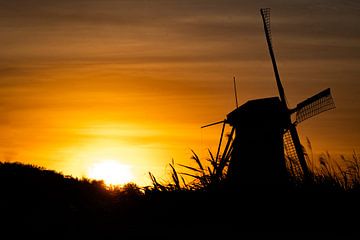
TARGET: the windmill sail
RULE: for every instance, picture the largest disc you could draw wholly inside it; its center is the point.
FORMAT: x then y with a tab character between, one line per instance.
265	13
318	103
299	151
292	159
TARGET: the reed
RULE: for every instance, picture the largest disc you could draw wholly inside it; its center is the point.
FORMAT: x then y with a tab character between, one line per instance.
326	174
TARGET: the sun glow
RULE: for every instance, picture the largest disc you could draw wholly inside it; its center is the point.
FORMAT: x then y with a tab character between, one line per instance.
112	172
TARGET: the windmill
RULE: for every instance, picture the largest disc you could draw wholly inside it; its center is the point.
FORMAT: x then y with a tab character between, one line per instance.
263	143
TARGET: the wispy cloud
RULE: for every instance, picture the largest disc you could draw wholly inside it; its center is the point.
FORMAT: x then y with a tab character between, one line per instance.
65	64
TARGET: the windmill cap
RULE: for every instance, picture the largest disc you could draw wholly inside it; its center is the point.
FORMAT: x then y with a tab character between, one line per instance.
258	111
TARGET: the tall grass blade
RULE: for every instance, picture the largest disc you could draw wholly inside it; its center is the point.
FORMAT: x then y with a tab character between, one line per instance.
197	159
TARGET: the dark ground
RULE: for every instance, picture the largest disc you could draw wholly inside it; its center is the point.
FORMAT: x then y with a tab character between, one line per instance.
41	204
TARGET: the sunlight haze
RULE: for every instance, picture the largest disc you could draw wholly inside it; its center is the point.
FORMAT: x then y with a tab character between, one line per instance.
83	82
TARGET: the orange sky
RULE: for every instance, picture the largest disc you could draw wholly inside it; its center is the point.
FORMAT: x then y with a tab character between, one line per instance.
86	81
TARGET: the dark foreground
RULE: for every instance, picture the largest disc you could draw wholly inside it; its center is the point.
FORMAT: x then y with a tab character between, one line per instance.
39	204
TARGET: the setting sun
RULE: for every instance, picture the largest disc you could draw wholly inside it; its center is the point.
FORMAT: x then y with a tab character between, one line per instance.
112	172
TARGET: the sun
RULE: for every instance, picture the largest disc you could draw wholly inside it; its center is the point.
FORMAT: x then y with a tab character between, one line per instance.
112	172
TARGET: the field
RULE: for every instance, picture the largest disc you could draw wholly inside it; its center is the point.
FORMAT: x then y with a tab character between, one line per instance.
46	204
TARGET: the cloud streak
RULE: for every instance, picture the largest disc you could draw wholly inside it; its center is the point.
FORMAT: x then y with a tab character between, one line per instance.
67	64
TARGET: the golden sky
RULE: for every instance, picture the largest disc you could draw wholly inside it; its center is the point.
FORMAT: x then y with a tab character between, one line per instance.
86	81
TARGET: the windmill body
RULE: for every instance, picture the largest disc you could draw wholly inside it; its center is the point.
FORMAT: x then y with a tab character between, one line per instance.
266	142
258	154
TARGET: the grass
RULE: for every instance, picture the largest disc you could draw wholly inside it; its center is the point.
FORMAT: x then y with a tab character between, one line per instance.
337	175
326	174
324	205
39	202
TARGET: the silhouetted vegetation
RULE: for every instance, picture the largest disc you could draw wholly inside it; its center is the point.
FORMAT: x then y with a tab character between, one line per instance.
323	204
326	175
41	203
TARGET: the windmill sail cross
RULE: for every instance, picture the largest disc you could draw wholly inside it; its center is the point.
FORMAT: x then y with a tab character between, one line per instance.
265	14
264	140
314	105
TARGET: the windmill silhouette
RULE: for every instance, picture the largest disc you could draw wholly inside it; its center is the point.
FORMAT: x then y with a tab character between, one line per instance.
263	143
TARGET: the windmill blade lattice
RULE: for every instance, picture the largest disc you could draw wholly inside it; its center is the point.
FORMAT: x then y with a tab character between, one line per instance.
265	12
292	159
315	105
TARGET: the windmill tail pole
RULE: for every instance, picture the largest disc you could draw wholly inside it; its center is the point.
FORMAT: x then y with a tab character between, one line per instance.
265	14
236	98
221	137
212	124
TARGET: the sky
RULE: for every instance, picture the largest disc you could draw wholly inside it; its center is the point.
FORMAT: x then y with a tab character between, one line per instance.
82	82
